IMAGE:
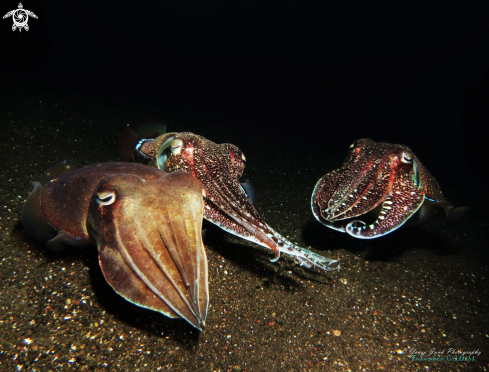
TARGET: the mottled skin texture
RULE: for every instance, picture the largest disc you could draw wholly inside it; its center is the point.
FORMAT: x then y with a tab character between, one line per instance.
147	225
65	201
219	167
374	175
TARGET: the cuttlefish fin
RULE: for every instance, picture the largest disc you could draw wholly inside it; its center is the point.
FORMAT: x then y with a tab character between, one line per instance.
57	170
63	240
457	213
249	190
32	218
431	207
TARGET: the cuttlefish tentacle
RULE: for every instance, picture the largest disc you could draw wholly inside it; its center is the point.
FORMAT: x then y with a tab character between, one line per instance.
219	167
375	176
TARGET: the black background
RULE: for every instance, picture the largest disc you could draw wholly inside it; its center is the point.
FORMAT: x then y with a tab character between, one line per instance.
325	73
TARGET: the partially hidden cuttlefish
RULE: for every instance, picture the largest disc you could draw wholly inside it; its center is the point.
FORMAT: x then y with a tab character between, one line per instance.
219	167
378	176
146	223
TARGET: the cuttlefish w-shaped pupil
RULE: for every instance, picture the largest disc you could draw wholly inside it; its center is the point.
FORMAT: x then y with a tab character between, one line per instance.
106	197
176	146
407	158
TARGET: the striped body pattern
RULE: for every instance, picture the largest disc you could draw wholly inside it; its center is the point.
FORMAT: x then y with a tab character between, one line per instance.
375	175
146	224
219	167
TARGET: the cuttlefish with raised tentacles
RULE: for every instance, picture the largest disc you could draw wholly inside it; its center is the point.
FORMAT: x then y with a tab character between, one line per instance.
146	224
376	175
219	167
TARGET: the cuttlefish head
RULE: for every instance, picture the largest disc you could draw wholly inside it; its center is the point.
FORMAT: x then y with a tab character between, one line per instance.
191	152
384	177
149	238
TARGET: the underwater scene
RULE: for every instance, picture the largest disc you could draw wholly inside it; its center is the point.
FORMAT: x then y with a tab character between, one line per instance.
242	201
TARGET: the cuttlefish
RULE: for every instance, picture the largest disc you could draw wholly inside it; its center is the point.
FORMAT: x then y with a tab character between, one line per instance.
227	204
381	177
146	224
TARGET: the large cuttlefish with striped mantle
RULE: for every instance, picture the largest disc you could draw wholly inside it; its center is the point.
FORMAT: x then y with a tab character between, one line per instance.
219	167
377	177
146	224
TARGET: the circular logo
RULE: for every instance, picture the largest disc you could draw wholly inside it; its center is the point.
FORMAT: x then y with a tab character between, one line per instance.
20	18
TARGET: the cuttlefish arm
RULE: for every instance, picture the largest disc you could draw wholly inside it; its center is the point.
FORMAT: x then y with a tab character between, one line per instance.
376	177
218	167
323	192
149	238
401	203
146	223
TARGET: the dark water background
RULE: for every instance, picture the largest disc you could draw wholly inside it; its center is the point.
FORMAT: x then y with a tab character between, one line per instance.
292	85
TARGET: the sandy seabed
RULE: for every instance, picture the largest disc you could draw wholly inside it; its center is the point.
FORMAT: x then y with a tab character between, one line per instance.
421	290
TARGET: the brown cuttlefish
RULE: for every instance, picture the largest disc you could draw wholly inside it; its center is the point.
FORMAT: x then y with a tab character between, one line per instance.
146	224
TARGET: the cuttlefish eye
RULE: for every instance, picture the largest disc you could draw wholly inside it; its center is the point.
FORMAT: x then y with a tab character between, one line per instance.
105	197
355	148
176	146
166	150
406	157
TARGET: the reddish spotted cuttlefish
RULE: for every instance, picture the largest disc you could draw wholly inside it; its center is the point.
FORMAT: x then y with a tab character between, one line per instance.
227	204
378	176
